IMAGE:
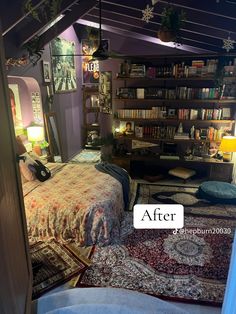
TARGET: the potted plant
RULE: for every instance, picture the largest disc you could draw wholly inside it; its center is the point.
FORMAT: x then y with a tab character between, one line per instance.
106	144
171	23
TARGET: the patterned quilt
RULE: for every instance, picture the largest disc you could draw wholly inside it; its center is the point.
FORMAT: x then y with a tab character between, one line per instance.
78	203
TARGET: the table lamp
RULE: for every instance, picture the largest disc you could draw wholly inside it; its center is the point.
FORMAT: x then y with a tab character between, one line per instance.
228	146
35	134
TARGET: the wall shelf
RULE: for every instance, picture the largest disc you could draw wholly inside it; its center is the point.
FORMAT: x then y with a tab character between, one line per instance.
179	101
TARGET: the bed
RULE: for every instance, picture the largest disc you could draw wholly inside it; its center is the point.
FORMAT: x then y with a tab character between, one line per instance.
78	203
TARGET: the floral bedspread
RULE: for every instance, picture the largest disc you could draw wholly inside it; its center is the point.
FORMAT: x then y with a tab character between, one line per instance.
78	203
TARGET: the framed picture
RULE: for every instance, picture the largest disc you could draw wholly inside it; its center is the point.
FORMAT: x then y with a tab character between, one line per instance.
46	68
91	68
105	91
127	127
63	65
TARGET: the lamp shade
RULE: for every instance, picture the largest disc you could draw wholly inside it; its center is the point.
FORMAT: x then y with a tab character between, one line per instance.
35	133
228	144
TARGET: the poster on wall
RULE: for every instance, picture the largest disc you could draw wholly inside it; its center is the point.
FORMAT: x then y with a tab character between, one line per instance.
63	65
37	109
16	108
105	91
91	68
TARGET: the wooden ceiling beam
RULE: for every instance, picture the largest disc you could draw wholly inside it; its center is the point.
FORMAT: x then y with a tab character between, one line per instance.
146	35
32	27
205	43
69	19
11	18
221	9
155	23
203	30
194	16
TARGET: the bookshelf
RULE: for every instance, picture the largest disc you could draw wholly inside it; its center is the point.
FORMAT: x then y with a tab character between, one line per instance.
161	97
91	112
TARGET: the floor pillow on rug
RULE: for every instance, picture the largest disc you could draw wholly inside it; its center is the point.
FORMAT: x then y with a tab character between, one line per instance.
186	195
218	192
184	266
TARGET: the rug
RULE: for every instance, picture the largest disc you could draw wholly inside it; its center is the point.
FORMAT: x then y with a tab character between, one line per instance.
54	263
185	195
88	156
184	266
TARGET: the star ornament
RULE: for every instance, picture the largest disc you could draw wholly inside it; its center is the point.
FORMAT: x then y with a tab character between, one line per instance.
147	13
228	44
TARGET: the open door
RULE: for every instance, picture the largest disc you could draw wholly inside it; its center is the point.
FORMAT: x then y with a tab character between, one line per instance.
15	266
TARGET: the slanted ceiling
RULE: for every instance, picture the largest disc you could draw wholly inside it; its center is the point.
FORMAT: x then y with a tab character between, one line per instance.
207	22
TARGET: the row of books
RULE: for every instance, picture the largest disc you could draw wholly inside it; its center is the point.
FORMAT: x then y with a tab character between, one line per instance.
169	132
204	114
181	114
154	113
194	68
180	92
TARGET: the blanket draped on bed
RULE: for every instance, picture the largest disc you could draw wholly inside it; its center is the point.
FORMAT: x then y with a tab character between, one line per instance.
119	174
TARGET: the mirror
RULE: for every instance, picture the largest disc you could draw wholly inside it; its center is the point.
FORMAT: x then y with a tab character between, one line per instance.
53	137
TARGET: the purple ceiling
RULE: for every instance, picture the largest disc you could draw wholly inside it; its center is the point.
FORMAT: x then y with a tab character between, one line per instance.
207	22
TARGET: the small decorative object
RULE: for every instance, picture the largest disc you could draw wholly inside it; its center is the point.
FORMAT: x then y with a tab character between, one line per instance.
228	146
192	131
147	13
46	69
180	128
228	44
171	23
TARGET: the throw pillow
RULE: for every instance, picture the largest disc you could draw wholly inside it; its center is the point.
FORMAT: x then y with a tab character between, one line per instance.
24	167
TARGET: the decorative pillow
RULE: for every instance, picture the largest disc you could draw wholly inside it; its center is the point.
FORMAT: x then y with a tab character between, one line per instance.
182	173
24	167
218	192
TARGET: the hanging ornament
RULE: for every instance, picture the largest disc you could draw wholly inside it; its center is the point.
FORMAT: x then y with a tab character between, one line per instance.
228	44
147	14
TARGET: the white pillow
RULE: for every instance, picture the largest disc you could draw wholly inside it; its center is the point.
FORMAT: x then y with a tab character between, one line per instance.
24	169
182	173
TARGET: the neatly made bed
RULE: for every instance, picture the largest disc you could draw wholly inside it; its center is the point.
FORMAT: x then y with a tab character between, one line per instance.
78	203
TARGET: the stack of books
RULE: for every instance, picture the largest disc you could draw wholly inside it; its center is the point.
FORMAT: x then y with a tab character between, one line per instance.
137	70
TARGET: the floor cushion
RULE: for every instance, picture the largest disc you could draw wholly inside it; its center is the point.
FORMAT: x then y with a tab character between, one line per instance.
216	191
182	173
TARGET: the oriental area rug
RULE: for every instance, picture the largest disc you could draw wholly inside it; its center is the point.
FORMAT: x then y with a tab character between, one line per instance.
185	195
189	266
54	263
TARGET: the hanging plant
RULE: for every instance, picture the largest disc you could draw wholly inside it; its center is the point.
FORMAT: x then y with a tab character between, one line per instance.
171	23
48	10
34	49
92	33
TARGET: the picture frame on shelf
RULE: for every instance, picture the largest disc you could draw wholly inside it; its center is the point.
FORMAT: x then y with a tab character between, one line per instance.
46	70
127	127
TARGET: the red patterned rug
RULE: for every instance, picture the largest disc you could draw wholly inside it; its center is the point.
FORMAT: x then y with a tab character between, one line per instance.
183	266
